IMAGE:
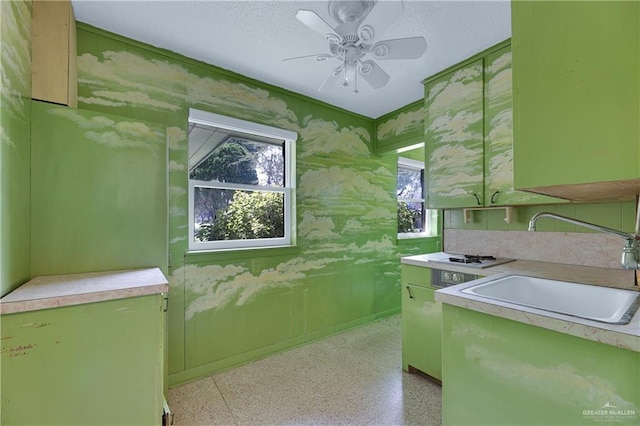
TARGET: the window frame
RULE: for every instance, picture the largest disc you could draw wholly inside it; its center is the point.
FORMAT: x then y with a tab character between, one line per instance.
427	214
236	125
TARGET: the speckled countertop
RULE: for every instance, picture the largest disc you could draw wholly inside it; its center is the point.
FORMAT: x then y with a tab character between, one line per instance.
625	336
67	290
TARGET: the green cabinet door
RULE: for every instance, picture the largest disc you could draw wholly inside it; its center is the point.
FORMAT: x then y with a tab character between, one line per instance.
421	323
454	137
91	364
422	331
503	372
576	70
498	141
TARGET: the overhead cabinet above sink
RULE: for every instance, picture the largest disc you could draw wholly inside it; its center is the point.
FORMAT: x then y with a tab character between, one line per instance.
576	69
468	134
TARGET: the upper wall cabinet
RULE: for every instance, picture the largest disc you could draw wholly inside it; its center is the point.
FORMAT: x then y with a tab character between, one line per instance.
454	137
401	128
498	135
468	135
576	69
53	50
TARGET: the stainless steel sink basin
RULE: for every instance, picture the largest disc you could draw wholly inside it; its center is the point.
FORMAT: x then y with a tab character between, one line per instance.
610	305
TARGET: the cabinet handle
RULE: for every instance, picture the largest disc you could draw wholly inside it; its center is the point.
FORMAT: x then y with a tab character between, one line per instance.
493	201
410	292
477	199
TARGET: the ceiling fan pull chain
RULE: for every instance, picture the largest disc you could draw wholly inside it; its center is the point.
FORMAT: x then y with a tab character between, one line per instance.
355	81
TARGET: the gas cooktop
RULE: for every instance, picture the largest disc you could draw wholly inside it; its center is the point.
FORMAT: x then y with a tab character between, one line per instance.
469	260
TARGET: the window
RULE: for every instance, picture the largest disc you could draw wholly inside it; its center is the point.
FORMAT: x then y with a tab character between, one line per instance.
240	183
413	219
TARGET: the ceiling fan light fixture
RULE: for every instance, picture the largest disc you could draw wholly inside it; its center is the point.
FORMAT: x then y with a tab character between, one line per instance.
366	33
380	50
332	38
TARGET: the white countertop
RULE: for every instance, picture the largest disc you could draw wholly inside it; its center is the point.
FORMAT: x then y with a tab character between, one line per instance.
625	336
75	289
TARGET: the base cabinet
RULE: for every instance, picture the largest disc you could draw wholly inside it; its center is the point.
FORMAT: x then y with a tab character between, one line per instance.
90	364
503	372
421	323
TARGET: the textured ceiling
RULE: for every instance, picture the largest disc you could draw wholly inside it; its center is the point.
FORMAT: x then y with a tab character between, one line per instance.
252	38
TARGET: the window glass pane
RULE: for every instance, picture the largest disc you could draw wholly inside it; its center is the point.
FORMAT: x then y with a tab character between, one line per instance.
224	214
410	217
244	161
409	183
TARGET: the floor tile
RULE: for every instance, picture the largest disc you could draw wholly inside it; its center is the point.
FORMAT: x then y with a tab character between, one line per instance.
352	378
199	403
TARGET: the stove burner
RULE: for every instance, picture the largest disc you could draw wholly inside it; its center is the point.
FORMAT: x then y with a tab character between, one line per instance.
465	260
476	256
471	258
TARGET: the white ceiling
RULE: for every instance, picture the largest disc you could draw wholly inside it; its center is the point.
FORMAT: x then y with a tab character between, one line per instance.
252	38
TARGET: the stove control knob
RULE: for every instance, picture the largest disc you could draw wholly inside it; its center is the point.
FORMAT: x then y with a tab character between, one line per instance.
447	276
457	278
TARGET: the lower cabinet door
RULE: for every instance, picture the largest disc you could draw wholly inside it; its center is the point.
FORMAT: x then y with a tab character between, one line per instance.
421	331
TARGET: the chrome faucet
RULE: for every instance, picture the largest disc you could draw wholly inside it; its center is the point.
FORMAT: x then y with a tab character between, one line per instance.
630	252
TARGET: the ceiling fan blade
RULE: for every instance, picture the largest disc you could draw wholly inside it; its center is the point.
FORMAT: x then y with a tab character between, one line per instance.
317	24
318	57
383	14
400	48
332	79
373	74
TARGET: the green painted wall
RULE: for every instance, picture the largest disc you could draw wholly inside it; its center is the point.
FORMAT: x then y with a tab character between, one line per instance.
15	120
227	308
400	128
613	215
98	192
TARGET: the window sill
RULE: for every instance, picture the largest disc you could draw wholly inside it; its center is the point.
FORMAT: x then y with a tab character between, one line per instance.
417	238
203	256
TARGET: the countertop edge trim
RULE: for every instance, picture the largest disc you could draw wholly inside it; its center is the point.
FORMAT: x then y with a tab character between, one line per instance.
80	299
615	338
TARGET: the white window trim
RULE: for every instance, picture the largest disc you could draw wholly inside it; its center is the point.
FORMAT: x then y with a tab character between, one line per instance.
234	124
416	165
229	123
408	163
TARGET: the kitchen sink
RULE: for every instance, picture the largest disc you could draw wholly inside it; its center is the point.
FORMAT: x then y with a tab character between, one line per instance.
604	304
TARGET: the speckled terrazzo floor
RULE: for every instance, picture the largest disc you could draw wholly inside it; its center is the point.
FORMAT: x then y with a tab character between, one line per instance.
353	378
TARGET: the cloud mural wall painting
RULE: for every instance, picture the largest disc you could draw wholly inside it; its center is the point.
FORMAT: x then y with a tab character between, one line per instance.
454	129
121	134
122	78
345	197
15	68
405	122
213	290
570	387
316	228
499	130
325	137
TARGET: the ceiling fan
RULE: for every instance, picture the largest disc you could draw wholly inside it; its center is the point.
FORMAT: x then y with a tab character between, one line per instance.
354	41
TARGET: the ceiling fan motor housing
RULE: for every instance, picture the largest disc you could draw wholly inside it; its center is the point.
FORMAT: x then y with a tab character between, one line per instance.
349	11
